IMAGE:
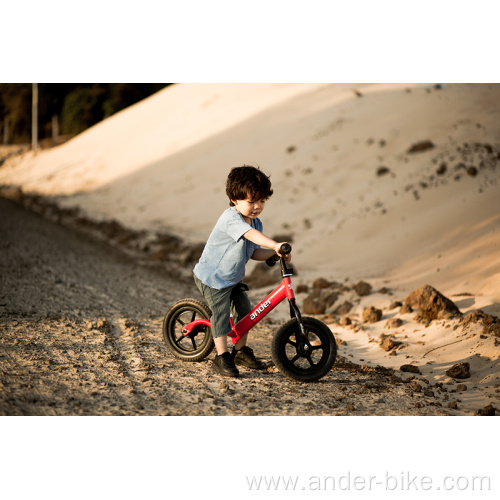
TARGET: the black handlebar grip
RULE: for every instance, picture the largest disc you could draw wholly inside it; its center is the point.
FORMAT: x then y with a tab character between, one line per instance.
272	260
285	249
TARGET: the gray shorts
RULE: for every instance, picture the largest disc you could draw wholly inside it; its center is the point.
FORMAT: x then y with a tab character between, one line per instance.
230	300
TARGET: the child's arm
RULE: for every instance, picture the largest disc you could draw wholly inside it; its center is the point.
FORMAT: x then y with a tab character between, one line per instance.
262	240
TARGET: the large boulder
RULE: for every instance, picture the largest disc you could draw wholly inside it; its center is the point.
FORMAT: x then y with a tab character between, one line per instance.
432	304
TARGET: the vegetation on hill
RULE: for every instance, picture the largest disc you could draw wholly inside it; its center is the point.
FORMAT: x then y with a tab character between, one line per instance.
64	109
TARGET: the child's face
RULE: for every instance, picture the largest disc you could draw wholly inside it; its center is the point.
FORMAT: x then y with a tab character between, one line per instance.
250	208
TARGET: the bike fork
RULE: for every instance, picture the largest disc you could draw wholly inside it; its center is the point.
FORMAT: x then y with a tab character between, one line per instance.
295	313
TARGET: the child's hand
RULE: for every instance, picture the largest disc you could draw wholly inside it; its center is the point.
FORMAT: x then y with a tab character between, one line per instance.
277	248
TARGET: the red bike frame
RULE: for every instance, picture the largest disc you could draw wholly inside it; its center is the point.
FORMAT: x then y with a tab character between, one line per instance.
240	329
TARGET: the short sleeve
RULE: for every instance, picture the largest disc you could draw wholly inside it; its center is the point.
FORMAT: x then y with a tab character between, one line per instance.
235	226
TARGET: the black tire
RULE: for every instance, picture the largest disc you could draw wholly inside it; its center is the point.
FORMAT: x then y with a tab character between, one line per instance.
199	343
309	360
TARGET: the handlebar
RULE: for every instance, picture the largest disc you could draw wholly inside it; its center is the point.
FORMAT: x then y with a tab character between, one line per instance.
285	249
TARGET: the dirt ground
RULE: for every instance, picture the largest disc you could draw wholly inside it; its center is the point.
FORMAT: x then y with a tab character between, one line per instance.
80	334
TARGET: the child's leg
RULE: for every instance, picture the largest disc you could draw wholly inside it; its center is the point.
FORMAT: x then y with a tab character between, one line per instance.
221	344
219	303
240	307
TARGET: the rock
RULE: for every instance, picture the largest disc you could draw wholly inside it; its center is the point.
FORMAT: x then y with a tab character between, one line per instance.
387	343
415	386
321	283
491	324
394	322
405	309
487	411
382	171
461	387
344	308
453	405
372	314
301	289
421	146
313	305
442	169
410	369
362	288
345	321
432	304
339	286
460	371
330	297
319	300
395	304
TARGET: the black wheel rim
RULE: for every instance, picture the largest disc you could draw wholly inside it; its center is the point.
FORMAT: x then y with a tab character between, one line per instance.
193	342
306	356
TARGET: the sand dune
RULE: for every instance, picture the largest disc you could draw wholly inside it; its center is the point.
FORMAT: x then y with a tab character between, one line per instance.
395	184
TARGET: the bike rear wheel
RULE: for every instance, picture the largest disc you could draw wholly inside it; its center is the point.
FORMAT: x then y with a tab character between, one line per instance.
309	359
196	345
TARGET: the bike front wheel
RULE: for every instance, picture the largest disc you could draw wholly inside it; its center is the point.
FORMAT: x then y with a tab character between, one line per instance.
308	359
196	345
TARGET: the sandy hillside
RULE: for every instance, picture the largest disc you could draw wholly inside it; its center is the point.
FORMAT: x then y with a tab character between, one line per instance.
393	184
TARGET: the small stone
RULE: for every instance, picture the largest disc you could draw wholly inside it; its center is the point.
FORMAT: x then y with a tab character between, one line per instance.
395	304
460	371
453	405
321	283
382	171
394	322
415	386
410	369
405	309
313	305
461	387
421	146
487	411
345	321
344	308
372	314
388	343
362	288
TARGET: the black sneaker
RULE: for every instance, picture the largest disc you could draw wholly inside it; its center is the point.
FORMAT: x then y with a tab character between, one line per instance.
246	357
224	365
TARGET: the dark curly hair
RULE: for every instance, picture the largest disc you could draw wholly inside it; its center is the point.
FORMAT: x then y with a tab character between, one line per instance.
248	181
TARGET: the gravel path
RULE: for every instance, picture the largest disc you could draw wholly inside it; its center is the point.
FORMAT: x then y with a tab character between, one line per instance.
80	334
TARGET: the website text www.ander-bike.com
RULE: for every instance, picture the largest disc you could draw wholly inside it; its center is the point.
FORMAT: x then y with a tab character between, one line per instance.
401	481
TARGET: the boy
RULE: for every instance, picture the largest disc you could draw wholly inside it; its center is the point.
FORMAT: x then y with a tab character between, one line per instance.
236	238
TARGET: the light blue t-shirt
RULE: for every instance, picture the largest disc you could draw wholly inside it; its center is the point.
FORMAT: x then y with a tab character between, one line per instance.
226	253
